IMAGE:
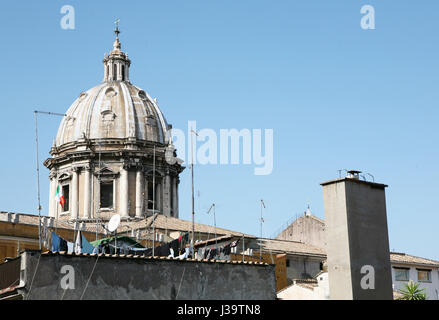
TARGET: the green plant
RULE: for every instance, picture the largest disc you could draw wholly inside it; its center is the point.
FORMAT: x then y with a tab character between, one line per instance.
412	291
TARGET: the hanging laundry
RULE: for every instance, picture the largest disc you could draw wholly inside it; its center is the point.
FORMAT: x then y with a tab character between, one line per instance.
86	246
227	249
174	245
46	236
235	243
56	240
185	254
63	245
78	243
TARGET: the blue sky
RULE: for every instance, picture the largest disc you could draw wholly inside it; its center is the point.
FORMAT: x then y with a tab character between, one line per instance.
336	96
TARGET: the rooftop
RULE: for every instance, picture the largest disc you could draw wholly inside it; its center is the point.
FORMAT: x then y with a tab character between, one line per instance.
175	224
403	258
140	257
287	246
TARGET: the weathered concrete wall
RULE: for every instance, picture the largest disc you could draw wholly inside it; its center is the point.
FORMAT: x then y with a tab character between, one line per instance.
307	229
119	278
357	236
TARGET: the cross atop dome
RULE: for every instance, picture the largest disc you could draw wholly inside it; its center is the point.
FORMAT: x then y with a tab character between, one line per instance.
117	31
116	45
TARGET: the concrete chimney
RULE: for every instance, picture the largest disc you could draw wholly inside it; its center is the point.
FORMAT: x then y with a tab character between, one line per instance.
357	239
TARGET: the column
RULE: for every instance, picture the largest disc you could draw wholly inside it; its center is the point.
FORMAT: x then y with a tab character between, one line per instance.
158	197
167	196
146	196
74	204
139	193
123	193
87	192
175	197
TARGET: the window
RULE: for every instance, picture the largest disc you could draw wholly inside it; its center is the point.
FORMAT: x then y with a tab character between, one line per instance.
424	275
150	198
114	72
123	73
65	192
401	274
288	263
106	194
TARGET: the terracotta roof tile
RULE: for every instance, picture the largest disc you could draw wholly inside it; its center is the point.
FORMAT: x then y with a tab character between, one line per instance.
287	246
404	258
175	224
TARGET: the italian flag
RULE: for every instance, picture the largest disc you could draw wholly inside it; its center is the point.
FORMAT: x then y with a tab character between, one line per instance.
59	196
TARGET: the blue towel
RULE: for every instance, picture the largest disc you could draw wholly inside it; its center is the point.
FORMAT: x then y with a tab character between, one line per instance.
86	246
56	240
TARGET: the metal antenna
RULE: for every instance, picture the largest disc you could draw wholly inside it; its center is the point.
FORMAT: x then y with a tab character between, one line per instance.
214	222
192	172
260	242
373	178
339	172
243	247
38	168
153	203
98	209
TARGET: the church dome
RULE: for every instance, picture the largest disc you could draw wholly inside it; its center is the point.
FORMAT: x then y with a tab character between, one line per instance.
111	153
115	109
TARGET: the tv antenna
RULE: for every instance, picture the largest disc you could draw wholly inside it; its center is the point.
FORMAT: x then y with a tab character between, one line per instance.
262	221
214	222
192	173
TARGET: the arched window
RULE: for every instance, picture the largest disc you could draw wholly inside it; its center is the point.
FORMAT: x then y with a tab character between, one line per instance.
123	73
114	72
107	75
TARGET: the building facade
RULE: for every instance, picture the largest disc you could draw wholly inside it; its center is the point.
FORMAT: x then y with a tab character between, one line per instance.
423	271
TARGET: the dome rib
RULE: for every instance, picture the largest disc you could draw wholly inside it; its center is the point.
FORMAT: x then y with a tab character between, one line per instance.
129	112
90	110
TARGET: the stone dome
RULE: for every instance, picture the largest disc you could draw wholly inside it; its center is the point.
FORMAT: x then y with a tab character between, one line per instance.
113	110
111	152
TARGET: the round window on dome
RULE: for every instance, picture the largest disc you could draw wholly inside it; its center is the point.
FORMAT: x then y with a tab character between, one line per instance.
110	92
142	95
82	96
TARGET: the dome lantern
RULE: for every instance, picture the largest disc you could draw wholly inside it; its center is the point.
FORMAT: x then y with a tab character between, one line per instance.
116	63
